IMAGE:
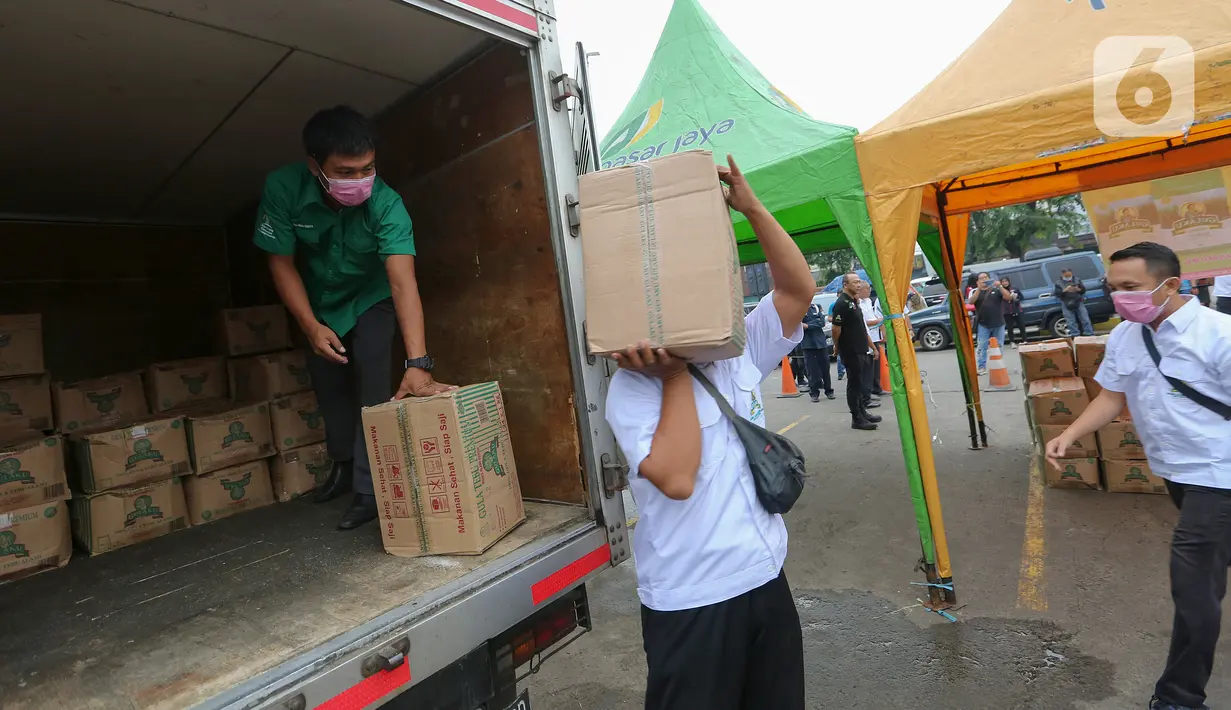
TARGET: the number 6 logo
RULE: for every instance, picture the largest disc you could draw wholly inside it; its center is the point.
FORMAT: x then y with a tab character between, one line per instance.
1144	86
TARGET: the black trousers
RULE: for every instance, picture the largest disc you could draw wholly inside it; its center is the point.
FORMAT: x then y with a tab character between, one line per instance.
857	392
873	374
1224	304
745	653
818	372
1200	554
798	370
1010	323
342	390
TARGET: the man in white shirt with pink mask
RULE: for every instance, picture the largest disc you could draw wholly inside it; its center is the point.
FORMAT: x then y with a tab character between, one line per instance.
1170	362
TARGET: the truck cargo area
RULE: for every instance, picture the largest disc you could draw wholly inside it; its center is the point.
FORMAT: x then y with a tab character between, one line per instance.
137	137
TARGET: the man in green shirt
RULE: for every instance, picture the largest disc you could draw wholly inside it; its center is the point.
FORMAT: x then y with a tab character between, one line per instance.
342	255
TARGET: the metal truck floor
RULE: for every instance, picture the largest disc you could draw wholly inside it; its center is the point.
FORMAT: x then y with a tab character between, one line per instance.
173	621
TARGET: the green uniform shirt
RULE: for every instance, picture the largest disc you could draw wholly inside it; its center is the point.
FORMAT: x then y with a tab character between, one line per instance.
341	255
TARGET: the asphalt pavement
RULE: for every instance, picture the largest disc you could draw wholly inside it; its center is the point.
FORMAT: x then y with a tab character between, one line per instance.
1064	595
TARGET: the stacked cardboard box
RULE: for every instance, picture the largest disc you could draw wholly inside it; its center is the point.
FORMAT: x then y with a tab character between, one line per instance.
296	472
34	527
25	388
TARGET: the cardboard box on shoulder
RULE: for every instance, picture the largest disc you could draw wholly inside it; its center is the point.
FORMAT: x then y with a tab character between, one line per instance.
31	472
269	376
259	329
21	345
1047	360
117	518
1119	441
130	455
296	472
25	403
34	539
1084	448
297	421
1132	476
1089	350
104	401
1058	401
1082	474
443	469
186	383
661	263
220	494
228	435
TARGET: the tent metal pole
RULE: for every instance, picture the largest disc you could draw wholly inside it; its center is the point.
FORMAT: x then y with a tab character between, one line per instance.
958	314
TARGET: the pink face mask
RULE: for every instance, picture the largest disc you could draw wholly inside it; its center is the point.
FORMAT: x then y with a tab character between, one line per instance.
349	192
1137	306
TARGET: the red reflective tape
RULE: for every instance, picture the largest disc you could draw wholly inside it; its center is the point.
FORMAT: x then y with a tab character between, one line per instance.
561	579
369	690
519	17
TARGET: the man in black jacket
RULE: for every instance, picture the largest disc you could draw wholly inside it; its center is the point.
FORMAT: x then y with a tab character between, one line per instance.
850	333
816	354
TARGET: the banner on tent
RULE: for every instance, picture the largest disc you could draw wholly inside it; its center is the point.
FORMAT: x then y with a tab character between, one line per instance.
1191	214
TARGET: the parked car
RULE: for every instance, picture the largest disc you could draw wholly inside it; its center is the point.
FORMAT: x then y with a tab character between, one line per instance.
1040	307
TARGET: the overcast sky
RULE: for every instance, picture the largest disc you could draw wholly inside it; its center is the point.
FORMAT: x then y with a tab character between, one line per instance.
851	62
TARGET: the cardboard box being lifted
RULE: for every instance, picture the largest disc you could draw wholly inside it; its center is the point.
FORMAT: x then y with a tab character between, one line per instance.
297	421
118	518
104	401
1089	351
25	403
260	329
660	259
186	383
31	472
269	376
444	473
221	494
34	539
1058	401
21	345
295	473
1049	359
228	435
1132	477
130	455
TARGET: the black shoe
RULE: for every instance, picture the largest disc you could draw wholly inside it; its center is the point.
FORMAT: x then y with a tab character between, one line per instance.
362	510
863	425
872	405
1156	704
875	419
815	398
336	483
830	395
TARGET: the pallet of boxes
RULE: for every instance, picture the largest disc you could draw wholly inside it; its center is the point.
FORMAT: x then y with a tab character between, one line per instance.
1060	384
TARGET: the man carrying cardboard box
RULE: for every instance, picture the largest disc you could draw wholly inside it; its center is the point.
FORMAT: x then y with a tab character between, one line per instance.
718	618
1169	361
356	246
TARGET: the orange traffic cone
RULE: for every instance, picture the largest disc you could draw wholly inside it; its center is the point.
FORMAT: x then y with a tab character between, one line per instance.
788	380
886	386
998	374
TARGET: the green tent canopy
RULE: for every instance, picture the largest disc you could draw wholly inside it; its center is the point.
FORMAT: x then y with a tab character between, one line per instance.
701	93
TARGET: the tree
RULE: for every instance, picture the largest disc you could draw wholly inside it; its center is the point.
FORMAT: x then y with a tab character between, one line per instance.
831	264
1013	230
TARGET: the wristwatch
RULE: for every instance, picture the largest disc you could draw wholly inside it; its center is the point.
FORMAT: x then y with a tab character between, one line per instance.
425	363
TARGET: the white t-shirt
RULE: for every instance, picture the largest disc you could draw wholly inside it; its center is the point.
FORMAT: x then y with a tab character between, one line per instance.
1184	441
872	311
1222	287
720	542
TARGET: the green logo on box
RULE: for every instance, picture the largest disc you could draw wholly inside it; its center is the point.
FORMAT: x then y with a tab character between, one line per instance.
312	419
237	434
8	406
1070	471
10	472
195	383
1135	474
143	507
104	401
143	450
9	546
236	488
491	461
1059	407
